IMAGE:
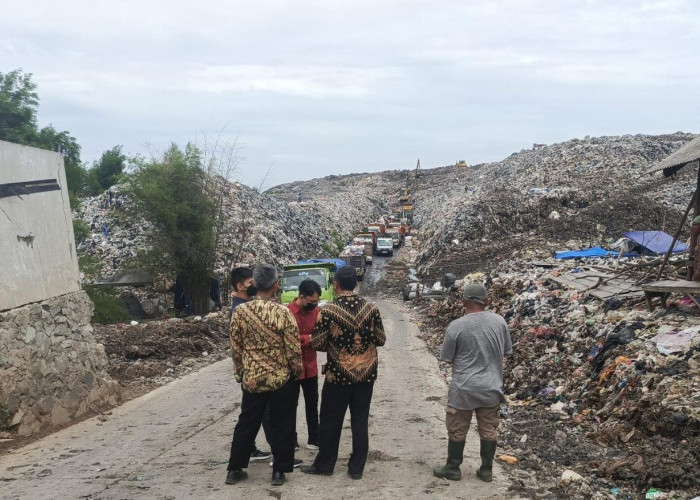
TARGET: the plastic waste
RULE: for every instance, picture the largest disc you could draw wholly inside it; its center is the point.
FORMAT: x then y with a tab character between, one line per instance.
653	493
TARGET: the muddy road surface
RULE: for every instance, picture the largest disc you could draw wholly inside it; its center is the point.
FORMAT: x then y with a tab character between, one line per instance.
174	442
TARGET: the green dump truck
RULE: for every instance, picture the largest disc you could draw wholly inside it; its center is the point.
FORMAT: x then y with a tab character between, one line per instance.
319	270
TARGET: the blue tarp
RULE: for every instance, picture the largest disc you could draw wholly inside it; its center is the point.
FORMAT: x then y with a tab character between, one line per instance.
656	241
585	254
338	262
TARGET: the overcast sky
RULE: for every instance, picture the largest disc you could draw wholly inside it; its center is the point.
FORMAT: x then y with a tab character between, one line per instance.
314	88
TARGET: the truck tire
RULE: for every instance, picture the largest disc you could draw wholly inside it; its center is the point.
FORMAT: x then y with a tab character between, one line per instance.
391	254
361	277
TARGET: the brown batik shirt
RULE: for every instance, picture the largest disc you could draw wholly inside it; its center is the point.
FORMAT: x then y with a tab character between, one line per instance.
350	330
265	345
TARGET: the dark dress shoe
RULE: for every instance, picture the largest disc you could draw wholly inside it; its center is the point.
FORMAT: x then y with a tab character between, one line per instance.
235	476
311	469
357	475
277	478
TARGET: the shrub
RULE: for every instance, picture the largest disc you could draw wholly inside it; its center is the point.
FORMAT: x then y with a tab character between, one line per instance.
108	307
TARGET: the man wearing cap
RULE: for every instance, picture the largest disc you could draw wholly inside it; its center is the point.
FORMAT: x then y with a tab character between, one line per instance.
475	345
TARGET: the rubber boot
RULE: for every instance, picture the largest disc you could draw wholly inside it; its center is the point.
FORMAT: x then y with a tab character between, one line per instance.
455	454
487	451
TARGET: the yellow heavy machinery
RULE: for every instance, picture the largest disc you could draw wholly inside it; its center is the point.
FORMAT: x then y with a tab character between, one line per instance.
461	164
405	195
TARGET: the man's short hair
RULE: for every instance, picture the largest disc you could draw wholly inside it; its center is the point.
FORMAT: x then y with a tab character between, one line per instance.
309	287
346	277
239	275
265	277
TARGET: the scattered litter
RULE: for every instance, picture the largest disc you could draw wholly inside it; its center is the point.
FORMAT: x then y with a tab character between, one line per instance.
509	459
569	476
670	342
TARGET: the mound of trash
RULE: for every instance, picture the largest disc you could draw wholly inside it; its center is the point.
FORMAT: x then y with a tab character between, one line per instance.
258	227
148	354
589	189
605	390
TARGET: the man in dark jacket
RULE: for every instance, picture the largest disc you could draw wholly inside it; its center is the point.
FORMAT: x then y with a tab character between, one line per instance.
305	311
350	330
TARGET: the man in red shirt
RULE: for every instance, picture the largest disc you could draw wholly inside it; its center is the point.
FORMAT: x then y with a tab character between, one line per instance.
305	310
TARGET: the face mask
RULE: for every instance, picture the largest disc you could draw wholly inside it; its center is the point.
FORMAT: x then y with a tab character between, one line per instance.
310	306
251	291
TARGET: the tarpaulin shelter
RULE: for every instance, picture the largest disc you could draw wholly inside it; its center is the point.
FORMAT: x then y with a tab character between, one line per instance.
687	154
656	241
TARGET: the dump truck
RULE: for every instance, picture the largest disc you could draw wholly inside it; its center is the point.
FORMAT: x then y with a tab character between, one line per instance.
319	270
376	227
354	256
408	212
385	245
393	232
368	241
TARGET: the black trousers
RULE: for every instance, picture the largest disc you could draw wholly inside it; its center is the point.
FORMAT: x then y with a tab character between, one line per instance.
282	405
335	399
309	386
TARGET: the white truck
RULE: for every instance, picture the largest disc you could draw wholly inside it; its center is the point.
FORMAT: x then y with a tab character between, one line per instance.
385	245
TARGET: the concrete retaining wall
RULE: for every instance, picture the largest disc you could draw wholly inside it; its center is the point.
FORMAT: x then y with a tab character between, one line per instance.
37	250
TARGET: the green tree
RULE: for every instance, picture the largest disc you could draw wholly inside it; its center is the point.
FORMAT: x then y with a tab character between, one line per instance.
65	144
18	123
107	171
18	106
171	193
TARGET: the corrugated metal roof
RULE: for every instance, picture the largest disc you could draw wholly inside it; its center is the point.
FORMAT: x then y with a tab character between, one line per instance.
688	153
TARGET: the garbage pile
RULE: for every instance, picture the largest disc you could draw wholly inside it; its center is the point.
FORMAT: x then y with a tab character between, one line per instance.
145	355
259	227
591	189
114	237
604	390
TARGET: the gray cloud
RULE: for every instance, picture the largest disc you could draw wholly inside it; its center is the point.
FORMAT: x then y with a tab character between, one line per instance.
316	88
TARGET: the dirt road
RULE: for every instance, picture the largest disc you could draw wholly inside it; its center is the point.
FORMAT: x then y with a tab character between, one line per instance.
174	442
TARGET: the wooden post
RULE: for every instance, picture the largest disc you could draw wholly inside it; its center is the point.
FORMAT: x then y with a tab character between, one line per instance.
694	238
696	212
693	202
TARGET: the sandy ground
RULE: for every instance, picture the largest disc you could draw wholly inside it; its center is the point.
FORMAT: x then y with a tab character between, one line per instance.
174	442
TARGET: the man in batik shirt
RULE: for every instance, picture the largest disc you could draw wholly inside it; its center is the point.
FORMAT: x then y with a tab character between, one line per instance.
266	361
350	330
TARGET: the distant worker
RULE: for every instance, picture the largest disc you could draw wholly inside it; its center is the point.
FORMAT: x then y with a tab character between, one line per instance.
350	330
181	298
266	361
475	345
241	279
305	310
215	293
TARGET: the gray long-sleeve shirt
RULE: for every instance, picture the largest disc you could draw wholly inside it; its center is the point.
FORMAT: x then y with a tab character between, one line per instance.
475	344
